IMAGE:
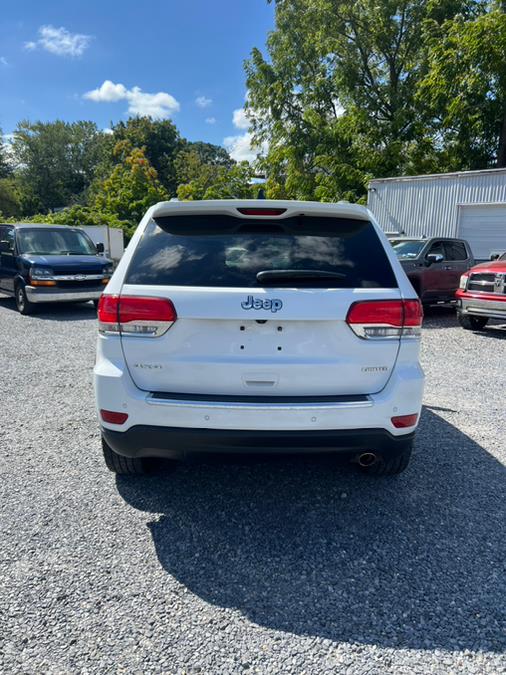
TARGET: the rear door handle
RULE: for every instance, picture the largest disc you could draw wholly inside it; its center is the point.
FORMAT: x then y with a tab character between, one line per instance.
448	267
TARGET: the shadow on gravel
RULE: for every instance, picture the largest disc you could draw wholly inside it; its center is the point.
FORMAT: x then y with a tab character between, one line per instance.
56	311
496	332
440	316
445	316
303	546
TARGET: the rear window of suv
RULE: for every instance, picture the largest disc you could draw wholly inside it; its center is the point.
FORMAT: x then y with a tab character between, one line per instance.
224	251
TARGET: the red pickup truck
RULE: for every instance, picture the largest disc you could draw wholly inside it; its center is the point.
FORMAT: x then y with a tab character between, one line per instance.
482	294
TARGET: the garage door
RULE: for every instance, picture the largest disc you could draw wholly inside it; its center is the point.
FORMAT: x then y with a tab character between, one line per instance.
484	227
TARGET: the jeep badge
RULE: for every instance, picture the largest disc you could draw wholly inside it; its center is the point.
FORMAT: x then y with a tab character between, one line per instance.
255	303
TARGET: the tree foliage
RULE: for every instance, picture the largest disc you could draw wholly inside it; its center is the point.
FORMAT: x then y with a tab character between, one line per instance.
336	96
209	153
55	162
132	187
208	181
82	216
10	198
5	167
161	142
464	89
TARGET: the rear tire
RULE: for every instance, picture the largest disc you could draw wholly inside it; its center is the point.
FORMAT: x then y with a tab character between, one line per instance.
24	306
391	466
472	322
130	466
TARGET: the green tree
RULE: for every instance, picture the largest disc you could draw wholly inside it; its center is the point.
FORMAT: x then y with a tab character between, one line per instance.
132	187
464	89
55	161
5	167
161	142
10	200
209	153
335	98
190	167
79	216
233	183
218	182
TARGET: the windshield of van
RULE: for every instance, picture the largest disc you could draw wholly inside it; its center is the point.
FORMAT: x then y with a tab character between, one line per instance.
216	250
407	248
42	241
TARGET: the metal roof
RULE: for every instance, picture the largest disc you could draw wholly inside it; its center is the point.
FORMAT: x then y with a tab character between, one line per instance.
439	176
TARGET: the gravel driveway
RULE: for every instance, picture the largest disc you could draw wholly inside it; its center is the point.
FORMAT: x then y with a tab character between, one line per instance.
290	565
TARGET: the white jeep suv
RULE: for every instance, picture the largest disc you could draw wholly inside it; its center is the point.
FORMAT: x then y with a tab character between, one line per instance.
259	326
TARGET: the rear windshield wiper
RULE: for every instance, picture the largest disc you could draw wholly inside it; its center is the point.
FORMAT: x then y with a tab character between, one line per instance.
297	275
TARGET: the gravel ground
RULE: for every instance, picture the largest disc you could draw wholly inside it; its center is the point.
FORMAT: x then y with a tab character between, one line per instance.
288	565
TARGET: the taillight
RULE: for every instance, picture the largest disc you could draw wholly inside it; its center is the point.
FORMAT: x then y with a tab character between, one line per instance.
386	318
413	314
135	316
463	281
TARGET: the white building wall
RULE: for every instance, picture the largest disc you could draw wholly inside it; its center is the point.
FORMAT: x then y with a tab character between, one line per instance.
429	205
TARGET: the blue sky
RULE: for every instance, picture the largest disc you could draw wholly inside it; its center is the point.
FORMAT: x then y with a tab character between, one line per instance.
56	56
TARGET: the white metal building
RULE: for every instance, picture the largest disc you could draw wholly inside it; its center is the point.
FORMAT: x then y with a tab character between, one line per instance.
468	204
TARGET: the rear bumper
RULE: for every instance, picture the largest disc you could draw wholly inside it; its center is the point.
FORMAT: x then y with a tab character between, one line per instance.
49	295
171	425
494	309
177	442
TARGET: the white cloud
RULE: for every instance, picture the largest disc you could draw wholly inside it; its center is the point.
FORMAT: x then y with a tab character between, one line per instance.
203	101
240	120
210	120
108	92
3	61
60	41
240	148
159	106
107	131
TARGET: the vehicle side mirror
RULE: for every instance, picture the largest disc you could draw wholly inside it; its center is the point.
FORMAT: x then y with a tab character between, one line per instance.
100	247
432	258
494	256
5	247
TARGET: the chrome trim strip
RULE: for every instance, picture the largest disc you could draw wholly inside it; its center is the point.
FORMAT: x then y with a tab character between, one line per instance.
78	277
39	295
217	405
484	307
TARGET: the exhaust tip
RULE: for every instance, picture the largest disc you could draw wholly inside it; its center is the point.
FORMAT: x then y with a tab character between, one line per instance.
367	459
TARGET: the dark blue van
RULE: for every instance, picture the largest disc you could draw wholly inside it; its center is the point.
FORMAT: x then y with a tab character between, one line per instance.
50	263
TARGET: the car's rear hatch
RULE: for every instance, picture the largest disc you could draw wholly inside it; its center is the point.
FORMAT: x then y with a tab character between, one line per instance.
283	333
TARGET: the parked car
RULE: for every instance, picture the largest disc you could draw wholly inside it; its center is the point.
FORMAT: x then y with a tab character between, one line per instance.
482	294
50	263
434	266
238	327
